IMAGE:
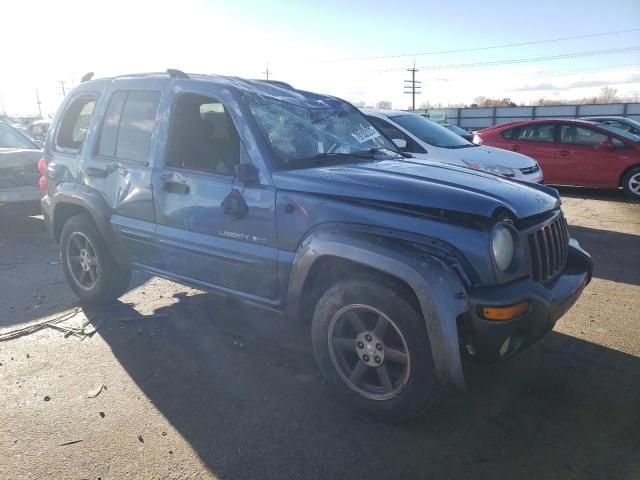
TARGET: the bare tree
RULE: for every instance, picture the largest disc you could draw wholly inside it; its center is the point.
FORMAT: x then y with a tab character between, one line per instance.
608	95
386	104
359	104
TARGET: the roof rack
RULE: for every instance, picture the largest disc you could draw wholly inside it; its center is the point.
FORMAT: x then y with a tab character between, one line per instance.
86	77
278	83
175	73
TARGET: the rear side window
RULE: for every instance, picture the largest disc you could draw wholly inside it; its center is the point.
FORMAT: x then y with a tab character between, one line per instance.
393	132
128	125
74	124
509	134
537	132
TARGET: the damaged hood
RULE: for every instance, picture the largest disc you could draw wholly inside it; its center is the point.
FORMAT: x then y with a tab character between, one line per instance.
425	184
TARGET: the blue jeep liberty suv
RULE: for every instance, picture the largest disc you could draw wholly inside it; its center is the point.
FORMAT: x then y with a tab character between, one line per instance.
294	201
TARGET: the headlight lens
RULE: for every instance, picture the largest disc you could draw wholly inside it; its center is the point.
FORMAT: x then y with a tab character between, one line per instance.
495	169
502	247
499	170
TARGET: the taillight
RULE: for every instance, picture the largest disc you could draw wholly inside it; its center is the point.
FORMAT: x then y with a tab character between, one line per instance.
42	183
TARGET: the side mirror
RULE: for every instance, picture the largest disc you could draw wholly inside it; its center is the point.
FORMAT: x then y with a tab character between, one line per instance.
247	173
606	145
400	143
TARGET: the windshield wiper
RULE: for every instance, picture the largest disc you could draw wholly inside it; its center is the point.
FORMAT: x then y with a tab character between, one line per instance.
398	152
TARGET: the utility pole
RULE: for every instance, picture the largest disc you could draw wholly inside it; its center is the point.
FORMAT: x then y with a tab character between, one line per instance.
267	72
412	86
64	92
39	104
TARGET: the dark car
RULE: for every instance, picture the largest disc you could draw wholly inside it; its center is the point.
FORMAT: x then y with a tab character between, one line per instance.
574	152
19	174
468	136
294	201
628	125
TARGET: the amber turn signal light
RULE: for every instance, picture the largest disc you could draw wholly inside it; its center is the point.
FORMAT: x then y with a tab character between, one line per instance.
505	313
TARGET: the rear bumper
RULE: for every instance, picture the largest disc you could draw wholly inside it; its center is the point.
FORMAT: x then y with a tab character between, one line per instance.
20	195
484	339
47	210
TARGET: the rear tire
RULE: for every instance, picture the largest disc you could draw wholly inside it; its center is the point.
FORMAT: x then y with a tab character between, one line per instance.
363	328
90	270
631	184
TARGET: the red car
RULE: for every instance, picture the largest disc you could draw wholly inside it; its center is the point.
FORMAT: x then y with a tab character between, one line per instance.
573	152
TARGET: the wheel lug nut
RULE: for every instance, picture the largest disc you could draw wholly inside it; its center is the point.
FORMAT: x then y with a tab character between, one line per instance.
365	358
360	345
378	346
367	338
378	359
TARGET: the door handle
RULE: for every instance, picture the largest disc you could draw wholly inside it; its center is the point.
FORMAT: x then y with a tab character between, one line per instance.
515	148
174	183
564	153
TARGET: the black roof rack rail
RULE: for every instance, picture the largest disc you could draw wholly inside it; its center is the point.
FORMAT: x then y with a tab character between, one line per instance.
86	77
175	73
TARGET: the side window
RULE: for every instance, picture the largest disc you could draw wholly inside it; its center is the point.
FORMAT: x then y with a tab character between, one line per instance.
618	143
74	124
128	125
393	132
574	135
537	132
621	126
509	134
203	137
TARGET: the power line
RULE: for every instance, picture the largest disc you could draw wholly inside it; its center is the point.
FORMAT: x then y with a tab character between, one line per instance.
521	60
490	47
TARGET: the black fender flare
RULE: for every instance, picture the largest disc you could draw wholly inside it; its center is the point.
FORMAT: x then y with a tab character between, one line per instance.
439	290
90	200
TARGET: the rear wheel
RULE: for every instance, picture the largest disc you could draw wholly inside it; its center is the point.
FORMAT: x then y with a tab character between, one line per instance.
372	347
631	184
91	271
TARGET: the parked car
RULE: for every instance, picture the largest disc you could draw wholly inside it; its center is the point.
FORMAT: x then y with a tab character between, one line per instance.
626	124
19	173
467	135
574	152
294	201
427	140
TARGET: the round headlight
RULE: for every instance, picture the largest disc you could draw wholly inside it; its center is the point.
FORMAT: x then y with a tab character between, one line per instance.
502	247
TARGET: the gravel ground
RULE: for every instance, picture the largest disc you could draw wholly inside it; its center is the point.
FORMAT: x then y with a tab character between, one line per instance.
199	386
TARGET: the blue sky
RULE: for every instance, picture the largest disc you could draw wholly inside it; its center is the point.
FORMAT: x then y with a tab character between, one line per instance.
315	45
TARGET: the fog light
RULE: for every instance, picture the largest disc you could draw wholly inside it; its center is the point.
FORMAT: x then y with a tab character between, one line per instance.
505	313
505	347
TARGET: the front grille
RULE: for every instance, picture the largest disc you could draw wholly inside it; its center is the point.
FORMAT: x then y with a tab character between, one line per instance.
549	247
530	170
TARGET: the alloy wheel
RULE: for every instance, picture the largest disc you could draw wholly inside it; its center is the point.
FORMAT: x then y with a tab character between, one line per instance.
369	352
82	261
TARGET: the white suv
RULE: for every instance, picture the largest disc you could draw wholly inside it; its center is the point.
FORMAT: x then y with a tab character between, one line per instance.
427	140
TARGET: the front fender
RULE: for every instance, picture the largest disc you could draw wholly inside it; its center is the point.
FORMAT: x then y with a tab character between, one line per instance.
440	292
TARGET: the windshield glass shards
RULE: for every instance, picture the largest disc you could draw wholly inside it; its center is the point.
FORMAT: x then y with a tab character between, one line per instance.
322	131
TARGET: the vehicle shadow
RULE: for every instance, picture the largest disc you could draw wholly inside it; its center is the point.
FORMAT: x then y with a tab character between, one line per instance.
616	255
241	386
32	285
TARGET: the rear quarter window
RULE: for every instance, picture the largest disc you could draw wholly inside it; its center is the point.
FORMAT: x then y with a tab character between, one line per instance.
75	123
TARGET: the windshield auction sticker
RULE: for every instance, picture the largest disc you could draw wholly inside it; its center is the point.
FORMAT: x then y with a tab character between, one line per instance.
365	134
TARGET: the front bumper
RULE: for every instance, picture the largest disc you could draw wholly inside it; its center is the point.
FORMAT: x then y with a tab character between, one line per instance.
484	339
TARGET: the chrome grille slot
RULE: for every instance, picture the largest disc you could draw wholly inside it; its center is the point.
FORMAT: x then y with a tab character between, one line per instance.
549	248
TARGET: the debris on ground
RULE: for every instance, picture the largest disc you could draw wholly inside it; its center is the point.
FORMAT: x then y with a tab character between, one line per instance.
69	443
47	398
35	327
94	392
102	415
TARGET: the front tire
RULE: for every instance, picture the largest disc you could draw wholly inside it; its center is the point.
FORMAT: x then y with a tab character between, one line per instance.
371	345
90	270
631	184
